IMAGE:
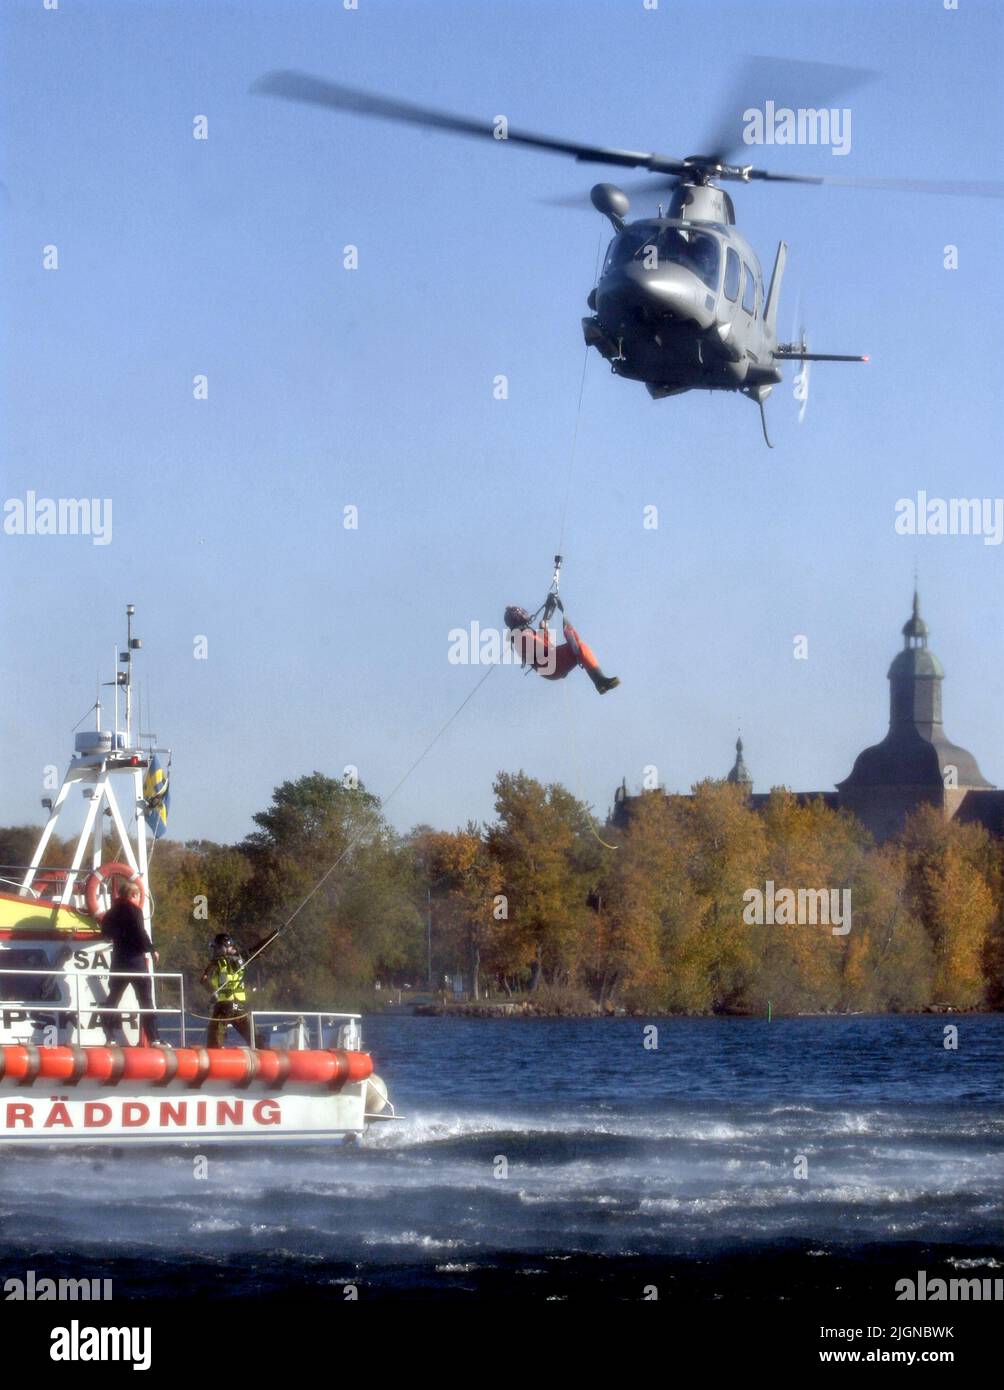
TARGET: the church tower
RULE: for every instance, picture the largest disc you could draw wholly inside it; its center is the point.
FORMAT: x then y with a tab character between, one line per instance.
915	678
915	762
740	773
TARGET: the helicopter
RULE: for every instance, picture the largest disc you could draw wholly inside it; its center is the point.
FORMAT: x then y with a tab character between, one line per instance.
680	303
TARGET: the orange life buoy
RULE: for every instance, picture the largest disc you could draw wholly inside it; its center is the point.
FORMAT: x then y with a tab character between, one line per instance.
103	874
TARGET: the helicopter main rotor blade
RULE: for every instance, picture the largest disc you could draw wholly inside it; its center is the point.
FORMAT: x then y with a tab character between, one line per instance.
961	188
784	82
299	86
810	79
958	188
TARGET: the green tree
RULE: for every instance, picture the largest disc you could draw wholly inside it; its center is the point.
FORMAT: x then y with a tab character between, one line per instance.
325	862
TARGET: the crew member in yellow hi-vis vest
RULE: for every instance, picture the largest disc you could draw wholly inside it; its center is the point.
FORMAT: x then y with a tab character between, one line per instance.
225	977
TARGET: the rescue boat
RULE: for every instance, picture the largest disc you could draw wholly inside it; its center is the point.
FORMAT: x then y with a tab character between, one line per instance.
61	1081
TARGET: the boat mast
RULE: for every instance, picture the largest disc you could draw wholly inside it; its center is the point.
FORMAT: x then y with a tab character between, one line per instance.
126	658
97	758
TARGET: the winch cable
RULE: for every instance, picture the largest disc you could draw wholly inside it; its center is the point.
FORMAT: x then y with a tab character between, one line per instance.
354	840
578	409
571	457
362	830
573	741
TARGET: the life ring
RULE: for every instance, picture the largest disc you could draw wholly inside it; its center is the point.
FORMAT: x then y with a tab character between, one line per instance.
103	874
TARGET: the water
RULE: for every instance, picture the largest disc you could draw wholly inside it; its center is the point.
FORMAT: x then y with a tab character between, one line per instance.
561	1159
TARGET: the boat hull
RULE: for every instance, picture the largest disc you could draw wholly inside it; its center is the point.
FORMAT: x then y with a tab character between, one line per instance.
149	1095
216	1116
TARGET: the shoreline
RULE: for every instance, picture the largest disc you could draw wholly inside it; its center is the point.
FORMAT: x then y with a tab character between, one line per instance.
527	1009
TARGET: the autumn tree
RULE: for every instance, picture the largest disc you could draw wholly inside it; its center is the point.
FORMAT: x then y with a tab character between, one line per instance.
544	846
645	910
949	877
814	849
889	961
723	843
465	883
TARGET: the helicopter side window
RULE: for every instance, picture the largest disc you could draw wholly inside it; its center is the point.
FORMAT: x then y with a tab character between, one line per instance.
749	292
732	268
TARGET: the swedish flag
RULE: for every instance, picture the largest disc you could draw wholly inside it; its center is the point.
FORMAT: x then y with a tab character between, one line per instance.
157	794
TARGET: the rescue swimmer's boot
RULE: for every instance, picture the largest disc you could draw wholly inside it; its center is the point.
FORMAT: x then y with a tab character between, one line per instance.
603	683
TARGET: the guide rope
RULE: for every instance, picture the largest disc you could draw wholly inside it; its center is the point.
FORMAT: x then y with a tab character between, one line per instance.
354	840
357	836
217	1018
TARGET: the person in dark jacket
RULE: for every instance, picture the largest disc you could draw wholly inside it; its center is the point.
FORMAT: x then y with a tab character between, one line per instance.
132	948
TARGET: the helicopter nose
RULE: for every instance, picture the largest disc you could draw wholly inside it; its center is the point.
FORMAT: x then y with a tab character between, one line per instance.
683	293
662	291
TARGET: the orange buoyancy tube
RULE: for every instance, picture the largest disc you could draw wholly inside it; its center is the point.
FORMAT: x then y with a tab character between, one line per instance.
237	1066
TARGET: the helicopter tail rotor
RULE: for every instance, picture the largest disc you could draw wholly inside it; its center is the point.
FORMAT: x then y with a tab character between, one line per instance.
800	384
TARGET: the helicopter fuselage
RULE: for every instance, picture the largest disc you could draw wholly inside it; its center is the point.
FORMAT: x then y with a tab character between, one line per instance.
681	303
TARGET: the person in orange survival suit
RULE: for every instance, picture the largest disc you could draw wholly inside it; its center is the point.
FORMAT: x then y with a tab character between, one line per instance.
554	662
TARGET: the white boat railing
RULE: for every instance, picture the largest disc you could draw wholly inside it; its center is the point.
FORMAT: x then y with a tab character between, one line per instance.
297	1026
94	1006
303	1027
53	889
19	888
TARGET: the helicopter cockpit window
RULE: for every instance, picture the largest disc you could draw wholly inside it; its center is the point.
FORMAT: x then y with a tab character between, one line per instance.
655	246
629	243
732	274
749	292
696	251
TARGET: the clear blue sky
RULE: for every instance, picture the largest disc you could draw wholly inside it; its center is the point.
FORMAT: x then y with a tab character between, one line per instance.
374	388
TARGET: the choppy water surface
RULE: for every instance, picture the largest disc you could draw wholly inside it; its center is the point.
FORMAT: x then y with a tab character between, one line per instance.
554	1158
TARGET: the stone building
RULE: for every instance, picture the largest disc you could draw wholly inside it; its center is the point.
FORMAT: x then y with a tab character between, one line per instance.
914	764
